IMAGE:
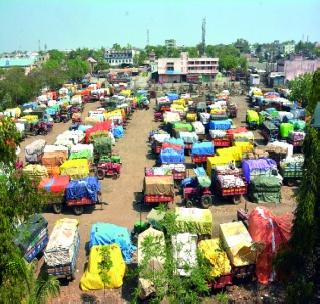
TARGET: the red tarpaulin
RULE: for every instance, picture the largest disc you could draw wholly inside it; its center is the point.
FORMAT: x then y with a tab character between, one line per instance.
100	126
237	130
55	184
272	231
172	146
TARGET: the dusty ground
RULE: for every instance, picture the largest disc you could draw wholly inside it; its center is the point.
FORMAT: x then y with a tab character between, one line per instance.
119	200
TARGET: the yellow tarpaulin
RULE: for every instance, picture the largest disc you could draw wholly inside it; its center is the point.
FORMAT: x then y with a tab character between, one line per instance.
180	102
36	171
238	243
30	118
216	256
234	152
126	92
75	168
176	107
91	279
191	117
245	147
218	160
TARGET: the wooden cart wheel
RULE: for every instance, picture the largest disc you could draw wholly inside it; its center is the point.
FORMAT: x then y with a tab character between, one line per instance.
57	208
206	201
78	210
189	203
236	199
100	174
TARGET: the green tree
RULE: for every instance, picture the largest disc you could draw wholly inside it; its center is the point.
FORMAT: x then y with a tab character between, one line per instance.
105	265
19	198
300	263
301	88
77	68
242	45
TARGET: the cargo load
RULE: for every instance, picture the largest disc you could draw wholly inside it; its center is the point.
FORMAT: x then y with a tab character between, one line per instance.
219	124
188	137
159	185
36	172
285	129
87	187
203	148
238	243
198	128
75	168
34	150
204	118
257	167
91	279
170	155
182	126
56	148
62	250
193	220
98	130
107	234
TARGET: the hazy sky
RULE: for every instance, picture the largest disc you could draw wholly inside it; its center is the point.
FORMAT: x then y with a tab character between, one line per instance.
68	24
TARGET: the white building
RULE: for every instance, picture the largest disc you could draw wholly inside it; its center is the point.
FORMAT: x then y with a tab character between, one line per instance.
116	58
287	48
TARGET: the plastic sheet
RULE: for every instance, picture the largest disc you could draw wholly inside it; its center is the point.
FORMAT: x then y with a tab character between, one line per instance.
219	124
169	155
106	234
87	187
203	148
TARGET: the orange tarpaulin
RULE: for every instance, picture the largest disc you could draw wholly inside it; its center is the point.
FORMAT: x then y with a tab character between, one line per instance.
272	232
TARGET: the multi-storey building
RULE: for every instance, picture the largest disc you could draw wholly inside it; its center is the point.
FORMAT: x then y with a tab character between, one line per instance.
187	69
118	57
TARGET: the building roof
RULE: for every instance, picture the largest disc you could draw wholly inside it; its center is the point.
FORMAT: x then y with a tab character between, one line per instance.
16	62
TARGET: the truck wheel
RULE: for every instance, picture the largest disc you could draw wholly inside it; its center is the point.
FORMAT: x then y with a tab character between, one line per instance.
78	210
290	182
100	174
189	203
57	120
115	175
35	132
206	201
236	199
57	208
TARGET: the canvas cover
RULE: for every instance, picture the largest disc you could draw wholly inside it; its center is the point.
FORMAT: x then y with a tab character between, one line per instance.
184	252
159	185
56	148
218	160
203	148
62	242
106	234
188	137
219	124
82	147
285	129
217	257
234	152
56	184
91	279
204	118
87	187
170	155
36	147
257	167
217	133
238	243
252	116
272	231
118	132
182	126
53	158
198	127
36	171
171	117
75	168
194	220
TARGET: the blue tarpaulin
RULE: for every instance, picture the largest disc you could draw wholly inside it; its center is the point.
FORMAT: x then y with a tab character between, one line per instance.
171	156
84	128
175	141
189	182
172	96
87	187
105	234
51	111
203	148
30	105
118	132
219	124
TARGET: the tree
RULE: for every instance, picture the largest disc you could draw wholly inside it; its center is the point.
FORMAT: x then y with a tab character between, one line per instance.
104	266
242	45
301	88
116	46
300	263
19	198
77	68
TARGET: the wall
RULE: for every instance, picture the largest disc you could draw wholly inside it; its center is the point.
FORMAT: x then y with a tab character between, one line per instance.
298	67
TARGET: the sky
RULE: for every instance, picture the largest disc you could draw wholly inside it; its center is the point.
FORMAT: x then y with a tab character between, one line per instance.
68	24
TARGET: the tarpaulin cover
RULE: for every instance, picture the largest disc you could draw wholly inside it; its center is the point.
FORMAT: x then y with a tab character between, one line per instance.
36	147
101	126
82	147
216	256
169	155
84	154
75	168
189	182
244	146
91	279
252	116
29	230
172	96
285	129
174	141
55	184
87	187
273	232
234	152
171	117
218	160
36	171
159	185
219	124
106	234
237	243
194	220
182	126
260	165
118	132
84	128
188	137
184	252
204	181
53	158
203	148
102	145
198	127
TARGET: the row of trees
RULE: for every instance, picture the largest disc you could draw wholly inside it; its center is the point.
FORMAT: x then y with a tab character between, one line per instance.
18	200
300	263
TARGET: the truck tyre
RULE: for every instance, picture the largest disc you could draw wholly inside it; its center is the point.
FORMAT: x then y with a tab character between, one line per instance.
236	199
57	208
206	201
115	175
78	210
100	174
189	203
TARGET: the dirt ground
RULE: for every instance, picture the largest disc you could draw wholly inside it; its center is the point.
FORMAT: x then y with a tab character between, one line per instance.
119	197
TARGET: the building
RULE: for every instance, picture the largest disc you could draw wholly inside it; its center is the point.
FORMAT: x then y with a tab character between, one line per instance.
276	79
187	69
287	48
170	43
297	66
118	57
